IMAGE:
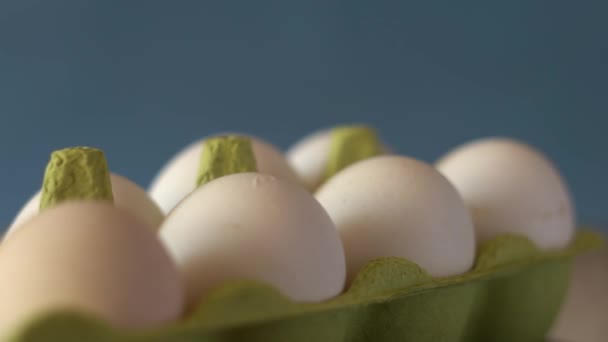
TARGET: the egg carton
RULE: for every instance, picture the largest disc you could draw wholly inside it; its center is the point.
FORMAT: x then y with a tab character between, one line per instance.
513	293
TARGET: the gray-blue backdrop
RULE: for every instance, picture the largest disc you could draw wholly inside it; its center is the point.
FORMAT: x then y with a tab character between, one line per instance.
141	79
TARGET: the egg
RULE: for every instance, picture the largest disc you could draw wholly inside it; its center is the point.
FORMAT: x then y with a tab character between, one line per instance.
511	188
395	206
251	226
178	177
309	157
90	257
583	316
127	195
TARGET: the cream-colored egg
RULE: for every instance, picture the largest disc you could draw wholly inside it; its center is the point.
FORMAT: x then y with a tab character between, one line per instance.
510	187
583	316
394	206
309	157
257	227
178	177
91	257
127	195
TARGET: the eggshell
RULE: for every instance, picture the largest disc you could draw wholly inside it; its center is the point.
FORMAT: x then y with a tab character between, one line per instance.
584	314
178	177
90	257
127	195
394	206
511	188
256	227
309	157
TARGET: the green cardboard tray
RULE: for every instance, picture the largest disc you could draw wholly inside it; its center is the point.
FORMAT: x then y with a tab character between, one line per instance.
512	294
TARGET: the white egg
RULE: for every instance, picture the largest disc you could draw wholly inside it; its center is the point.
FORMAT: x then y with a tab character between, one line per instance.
127	195
256	227
512	188
583	316
91	257
309	157
178	177
394	206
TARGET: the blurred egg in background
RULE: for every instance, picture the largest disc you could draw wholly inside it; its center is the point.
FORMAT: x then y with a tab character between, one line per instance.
584	313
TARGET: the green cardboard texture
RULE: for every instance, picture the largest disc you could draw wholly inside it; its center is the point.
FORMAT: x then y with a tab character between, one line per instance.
225	155
350	144
76	173
512	294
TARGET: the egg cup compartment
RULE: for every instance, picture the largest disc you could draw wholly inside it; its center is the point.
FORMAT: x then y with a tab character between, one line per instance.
513	293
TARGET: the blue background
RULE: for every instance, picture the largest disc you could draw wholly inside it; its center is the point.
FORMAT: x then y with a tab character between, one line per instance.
142	79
